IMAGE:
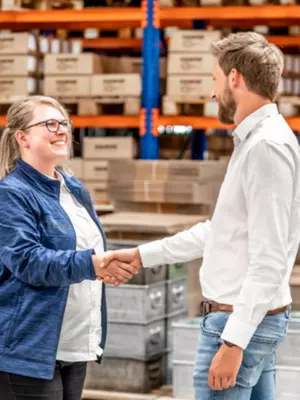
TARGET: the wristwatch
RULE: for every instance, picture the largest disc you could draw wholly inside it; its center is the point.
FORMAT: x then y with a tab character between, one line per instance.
229	344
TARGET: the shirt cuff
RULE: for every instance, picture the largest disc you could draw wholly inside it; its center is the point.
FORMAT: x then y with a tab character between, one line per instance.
238	332
152	254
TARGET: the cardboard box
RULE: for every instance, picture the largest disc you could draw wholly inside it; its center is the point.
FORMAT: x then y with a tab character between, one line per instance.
134	65
73	64
107	148
164	170
98	191
95	170
183	63
18	65
18	43
12	88
116	85
192	41
60	86
195	86
76	165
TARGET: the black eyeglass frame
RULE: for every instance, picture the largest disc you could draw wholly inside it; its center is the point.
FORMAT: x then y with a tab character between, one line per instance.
46	123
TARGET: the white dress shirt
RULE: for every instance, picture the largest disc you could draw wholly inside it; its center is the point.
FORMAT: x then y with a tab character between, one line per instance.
250	245
80	334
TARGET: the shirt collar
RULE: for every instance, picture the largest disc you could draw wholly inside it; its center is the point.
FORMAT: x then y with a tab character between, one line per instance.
249	123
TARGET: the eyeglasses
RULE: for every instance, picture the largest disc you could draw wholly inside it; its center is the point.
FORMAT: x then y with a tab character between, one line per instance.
53	125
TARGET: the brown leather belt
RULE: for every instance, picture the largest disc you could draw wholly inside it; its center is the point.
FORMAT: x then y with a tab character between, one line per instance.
207	307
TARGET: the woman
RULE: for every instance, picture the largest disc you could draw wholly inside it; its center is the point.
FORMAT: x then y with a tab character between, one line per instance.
50	253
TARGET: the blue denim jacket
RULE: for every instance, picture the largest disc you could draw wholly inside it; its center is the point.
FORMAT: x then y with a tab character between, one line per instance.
38	262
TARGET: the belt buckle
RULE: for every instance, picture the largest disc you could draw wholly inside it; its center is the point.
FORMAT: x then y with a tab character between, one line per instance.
205	307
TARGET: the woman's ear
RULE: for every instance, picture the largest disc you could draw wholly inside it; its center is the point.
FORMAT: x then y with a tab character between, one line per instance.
22	139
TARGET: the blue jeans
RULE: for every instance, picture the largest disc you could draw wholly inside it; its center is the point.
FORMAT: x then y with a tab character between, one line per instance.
255	380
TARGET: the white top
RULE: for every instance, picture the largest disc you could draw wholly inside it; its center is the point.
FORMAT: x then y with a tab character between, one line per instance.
250	245
80	334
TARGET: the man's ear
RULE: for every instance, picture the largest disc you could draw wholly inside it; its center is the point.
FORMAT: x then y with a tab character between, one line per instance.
234	78
22	139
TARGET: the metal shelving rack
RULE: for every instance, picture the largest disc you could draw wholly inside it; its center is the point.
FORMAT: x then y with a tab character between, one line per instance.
152	18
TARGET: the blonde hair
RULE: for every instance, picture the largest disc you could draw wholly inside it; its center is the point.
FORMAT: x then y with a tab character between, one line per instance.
260	62
19	116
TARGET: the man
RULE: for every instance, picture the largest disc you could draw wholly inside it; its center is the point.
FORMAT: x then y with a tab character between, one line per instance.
249	246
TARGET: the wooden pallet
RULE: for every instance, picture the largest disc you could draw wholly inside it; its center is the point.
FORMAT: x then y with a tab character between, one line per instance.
189	106
164	393
116	105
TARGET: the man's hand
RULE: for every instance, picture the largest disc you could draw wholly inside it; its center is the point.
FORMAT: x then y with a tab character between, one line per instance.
224	367
115	272
128	256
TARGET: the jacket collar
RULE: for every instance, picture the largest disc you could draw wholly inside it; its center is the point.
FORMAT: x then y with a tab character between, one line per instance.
43	182
250	122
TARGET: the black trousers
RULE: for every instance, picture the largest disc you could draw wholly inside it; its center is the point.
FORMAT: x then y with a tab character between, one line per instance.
67	384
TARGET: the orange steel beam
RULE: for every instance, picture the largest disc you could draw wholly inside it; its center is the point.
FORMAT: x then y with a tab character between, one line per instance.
123	121
106	121
112	43
231	13
285	41
75	18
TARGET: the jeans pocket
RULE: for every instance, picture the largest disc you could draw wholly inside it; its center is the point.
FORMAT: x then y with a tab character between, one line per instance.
213	324
254	358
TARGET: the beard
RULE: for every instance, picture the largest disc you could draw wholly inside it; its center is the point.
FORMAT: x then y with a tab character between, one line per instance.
227	107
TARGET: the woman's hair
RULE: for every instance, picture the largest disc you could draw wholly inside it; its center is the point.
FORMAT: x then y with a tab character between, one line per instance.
19	115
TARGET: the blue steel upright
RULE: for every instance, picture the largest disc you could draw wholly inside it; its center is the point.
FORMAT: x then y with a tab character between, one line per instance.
150	81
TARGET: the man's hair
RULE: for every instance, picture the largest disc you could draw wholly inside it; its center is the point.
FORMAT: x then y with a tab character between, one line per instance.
260	62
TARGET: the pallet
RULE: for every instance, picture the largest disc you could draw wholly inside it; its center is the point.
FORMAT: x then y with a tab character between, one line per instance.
189	106
116	105
163	393
20	5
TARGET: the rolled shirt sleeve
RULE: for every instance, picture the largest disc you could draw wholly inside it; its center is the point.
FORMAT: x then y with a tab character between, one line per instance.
184	246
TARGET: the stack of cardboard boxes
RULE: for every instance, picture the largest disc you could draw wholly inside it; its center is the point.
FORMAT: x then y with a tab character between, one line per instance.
189	69
20	66
92	169
22	63
82	79
165	182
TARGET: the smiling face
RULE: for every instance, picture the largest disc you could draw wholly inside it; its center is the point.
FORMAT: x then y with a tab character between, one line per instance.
39	145
223	96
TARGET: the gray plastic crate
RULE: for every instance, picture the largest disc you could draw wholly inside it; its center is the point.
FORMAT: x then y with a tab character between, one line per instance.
170	320
121	375
176	295
287	381
183	379
185	339
138	342
139	304
146	276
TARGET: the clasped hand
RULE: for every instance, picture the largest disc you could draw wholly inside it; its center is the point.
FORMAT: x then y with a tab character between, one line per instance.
116	267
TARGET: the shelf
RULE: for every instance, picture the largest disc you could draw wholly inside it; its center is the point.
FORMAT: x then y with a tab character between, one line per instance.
117	17
72	19
106	121
285	41
124	121
112	43
136	44
194	121
231	13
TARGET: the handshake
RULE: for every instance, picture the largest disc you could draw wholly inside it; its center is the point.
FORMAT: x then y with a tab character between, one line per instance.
116	267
